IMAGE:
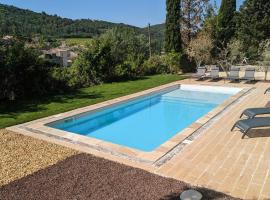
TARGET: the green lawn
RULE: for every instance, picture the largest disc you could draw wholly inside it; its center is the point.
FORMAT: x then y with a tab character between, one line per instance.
77	41
22	111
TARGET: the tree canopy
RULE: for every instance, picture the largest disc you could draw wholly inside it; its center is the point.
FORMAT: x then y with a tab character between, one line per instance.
172	35
226	21
192	17
254	25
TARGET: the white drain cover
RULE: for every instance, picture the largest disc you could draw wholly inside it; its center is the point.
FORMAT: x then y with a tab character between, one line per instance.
191	195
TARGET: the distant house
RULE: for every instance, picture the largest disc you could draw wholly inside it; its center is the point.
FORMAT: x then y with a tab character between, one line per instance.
8	37
62	56
7	40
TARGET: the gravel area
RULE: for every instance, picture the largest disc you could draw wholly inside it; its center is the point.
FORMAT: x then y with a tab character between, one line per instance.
21	155
84	177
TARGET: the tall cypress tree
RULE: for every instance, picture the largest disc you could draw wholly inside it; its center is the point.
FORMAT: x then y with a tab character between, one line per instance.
226	21
172	34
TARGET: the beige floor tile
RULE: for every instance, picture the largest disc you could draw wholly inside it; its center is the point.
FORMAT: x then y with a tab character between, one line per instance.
253	191
231	164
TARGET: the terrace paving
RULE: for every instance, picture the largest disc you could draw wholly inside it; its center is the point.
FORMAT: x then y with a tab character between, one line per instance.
218	159
222	160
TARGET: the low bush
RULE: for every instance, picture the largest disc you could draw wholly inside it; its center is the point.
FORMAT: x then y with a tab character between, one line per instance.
187	65
172	61
169	63
154	65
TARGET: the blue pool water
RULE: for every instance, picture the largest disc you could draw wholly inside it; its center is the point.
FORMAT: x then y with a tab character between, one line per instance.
147	122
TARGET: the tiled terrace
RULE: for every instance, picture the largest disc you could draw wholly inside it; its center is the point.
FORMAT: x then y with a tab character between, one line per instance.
221	160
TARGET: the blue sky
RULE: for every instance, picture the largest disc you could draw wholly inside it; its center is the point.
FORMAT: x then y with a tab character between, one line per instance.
134	12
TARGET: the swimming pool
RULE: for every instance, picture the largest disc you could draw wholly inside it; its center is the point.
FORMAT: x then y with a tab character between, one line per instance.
147	122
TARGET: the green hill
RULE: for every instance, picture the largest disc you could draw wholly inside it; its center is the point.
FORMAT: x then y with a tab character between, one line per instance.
26	23
158	30
16	21
158	35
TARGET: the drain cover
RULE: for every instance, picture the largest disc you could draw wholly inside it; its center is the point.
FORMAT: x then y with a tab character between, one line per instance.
191	195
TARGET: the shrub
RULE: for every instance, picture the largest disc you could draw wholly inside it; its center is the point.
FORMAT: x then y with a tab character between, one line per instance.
169	63
22	73
236	52
117	54
128	52
172	61
155	65
60	78
187	64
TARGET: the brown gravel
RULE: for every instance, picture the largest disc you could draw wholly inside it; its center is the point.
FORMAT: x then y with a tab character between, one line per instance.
21	155
84	176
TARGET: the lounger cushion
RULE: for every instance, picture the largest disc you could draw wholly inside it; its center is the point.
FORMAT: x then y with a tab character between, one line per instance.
234	73
247	124
249	74
252	112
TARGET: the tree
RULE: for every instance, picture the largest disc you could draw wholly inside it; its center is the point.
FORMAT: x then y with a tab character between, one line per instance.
200	48
118	54
254	25
264	50
236	53
128	51
226	21
210	20
230	54
22	73
192	18
211	10
172	34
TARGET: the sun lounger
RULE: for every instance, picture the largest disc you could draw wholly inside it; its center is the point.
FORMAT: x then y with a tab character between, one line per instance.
253	112
214	74
213	67
267	90
200	73
247	124
234	74
249	74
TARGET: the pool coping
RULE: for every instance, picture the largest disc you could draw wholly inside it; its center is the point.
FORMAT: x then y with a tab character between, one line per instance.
156	158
